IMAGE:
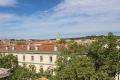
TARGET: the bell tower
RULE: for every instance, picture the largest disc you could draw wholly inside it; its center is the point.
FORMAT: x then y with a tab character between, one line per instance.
58	36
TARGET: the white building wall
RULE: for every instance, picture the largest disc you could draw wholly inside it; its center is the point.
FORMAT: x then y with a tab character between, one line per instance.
36	62
45	64
117	77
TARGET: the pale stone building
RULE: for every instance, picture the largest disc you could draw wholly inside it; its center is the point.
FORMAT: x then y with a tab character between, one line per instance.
41	60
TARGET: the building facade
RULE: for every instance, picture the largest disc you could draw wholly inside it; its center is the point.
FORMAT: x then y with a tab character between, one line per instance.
40	60
40	53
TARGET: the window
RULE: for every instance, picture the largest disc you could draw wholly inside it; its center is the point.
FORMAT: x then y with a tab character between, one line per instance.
32	58
51	59
41	58
23	57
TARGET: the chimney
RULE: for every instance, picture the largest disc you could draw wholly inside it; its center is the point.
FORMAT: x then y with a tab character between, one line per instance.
6	48
28	44
13	47
55	48
28	47
36	48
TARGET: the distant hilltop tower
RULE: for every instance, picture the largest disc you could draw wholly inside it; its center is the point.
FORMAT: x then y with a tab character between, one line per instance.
58	36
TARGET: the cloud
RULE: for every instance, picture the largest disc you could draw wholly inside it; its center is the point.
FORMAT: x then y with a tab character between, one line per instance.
8	3
68	17
5	17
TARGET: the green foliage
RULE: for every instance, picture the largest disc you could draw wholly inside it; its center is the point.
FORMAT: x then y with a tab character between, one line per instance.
8	61
48	74
73	65
77	68
99	61
74	47
105	58
62	41
22	73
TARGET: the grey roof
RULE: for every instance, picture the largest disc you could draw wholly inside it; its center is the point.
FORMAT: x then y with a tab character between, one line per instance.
4	72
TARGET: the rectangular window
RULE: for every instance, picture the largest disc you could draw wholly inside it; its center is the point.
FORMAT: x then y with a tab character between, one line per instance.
51	59
32	58
23	57
41	58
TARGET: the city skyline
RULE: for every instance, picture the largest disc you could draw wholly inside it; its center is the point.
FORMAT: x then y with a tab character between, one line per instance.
42	19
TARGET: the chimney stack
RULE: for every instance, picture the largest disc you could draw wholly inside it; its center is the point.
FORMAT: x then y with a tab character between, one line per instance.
55	48
36	48
13	47
6	48
28	47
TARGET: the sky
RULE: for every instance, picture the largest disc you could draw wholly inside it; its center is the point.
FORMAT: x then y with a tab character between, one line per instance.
42	19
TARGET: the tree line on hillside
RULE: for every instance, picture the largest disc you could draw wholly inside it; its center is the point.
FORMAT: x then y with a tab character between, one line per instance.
98	61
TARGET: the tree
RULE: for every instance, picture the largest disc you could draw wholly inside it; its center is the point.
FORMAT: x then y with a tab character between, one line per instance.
98	61
73	65
105	57
8	61
62	41
23	73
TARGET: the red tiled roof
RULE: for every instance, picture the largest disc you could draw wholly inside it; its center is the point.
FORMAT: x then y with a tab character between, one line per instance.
46	45
47	42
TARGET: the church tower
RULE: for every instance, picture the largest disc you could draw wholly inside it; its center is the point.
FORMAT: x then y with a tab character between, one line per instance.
58	36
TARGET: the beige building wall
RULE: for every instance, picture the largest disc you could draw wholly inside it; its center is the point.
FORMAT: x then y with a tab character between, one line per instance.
46	63
117	77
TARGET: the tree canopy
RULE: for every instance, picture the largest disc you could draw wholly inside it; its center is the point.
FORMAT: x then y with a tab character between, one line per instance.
98	61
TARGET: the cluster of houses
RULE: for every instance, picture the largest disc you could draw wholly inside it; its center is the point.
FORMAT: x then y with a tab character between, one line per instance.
40	53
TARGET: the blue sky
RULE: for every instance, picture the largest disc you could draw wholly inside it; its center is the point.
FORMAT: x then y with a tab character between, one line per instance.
42	19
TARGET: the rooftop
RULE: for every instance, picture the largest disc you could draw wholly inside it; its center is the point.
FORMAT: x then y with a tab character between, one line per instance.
31	52
4	72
